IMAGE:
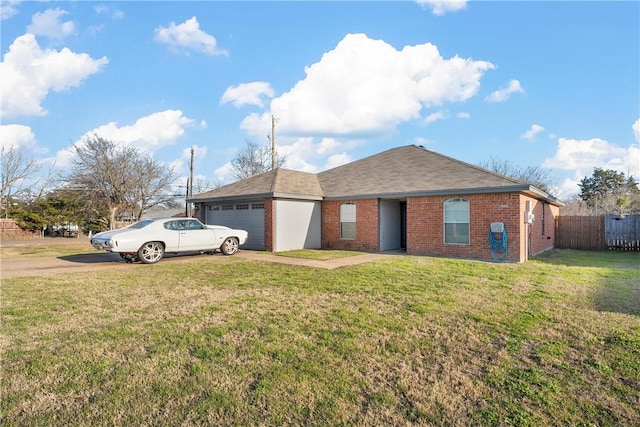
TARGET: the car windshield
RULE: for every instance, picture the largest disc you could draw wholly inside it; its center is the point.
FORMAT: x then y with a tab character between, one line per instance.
141	224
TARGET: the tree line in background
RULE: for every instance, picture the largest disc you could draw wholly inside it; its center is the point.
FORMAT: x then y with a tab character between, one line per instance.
107	182
604	192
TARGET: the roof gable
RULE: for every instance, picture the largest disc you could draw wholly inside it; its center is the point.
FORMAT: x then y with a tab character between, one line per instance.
269	184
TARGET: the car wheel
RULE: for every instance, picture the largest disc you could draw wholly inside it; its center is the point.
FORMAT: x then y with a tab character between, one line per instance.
150	252
230	246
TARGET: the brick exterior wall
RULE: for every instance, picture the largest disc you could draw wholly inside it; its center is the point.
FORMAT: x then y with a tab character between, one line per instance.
425	226
541	235
366	226
268	224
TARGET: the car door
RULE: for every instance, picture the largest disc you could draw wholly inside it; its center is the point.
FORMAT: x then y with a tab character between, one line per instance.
194	236
171	235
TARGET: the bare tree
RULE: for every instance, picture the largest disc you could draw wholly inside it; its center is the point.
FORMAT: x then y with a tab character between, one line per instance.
150	185
254	159
534	175
202	185
118	178
15	170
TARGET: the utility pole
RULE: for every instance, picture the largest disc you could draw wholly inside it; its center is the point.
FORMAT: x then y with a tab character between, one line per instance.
273	142
191	183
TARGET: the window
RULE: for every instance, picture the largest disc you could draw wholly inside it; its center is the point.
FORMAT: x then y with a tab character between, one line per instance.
171	225
214	208
348	221
456	221
257	206
227	207
193	224
242	207
141	224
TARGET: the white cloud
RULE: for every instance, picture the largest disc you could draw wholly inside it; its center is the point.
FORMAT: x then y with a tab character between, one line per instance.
114	14
8	8
463	115
223	173
247	94
434	117
28	73
503	94
308	154
636	130
188	37
532	132
337	160
147	133
440	7
582	156
49	23
182	163
304	154
16	136
366	86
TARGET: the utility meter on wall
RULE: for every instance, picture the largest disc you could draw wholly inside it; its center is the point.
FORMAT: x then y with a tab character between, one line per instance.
529	217
497	227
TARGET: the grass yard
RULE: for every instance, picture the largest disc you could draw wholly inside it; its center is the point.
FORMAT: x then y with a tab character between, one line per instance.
401	341
47	248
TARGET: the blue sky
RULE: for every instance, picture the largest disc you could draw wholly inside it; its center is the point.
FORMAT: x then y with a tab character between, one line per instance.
548	84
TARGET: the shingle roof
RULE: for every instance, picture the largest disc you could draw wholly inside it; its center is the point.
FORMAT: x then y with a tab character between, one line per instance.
409	169
275	182
401	171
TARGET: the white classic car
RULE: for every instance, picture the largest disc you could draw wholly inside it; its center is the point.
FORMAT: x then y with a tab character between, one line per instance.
148	240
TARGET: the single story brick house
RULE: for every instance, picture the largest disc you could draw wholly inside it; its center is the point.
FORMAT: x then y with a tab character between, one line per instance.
406	199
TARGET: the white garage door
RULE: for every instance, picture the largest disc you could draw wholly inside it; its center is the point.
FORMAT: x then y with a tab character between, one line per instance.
298	225
246	216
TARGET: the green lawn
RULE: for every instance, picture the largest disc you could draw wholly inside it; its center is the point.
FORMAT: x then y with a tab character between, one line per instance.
405	340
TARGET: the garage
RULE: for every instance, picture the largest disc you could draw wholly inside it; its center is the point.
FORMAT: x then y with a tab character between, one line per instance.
245	215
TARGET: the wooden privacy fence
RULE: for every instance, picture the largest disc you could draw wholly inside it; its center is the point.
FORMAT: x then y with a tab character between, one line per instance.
598	232
622	233
580	232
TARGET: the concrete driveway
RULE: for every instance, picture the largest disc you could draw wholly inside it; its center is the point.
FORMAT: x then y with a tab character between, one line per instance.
21	267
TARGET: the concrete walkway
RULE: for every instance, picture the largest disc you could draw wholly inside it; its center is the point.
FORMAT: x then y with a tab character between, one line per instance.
329	264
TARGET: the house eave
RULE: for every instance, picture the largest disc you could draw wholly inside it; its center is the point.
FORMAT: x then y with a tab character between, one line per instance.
539	194
297	196
528	189
258	196
236	198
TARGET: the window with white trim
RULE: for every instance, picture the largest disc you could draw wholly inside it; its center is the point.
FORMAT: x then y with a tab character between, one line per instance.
456	221
348	221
